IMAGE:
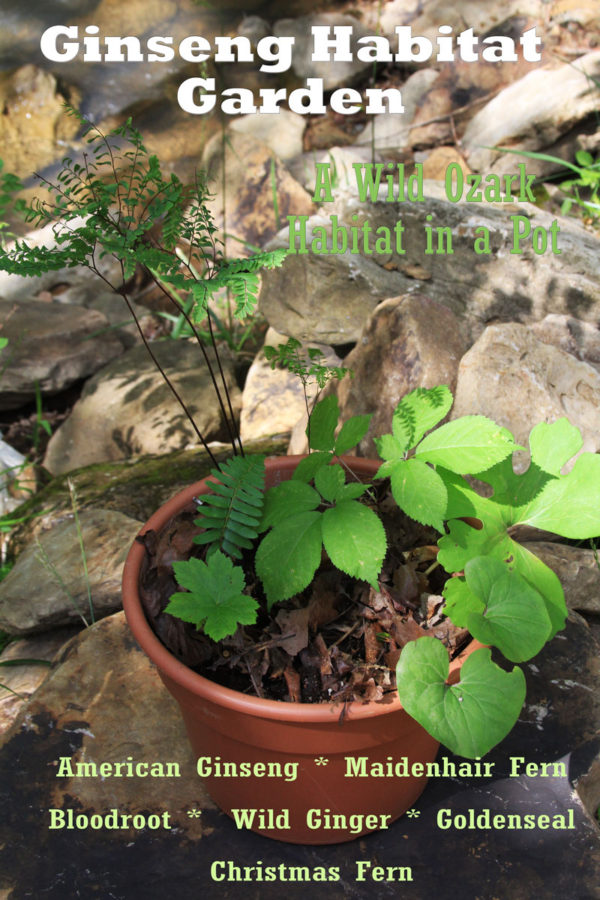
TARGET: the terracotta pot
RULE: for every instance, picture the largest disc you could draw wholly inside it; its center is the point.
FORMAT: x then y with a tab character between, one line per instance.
226	726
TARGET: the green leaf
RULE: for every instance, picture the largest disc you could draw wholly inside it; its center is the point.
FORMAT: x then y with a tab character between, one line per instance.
418	412
419	492
470	717
389	449
470	445
308	467
215	599
329	482
355	540
351	433
285	500
288	557
352	491
553	445
460	601
569	505
322	424
514	617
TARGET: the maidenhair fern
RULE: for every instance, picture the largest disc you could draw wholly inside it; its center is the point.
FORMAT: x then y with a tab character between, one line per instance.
231	514
117	202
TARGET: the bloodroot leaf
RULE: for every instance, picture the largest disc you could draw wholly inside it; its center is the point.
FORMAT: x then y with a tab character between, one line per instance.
214	598
469	718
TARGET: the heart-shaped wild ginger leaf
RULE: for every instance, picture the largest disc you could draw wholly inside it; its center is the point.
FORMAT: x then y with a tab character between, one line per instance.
470	717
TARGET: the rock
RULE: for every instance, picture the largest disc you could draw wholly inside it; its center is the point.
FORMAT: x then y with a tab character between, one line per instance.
59	566
435	164
52	345
273	400
101	702
542	106
20	681
334	74
128	410
392	132
516	380
578	571
245	205
12	465
426	18
20	287
407	342
282	133
134	487
304	169
34	126
328	297
323	298
580	339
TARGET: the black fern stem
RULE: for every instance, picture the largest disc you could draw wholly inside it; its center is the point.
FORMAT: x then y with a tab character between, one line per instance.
168	380
123	293
226	389
231	429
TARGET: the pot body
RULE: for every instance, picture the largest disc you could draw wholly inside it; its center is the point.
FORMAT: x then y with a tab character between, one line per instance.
302	772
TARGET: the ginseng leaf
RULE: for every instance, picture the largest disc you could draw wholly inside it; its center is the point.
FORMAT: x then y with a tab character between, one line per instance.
355	540
470	717
214	598
351	433
287	558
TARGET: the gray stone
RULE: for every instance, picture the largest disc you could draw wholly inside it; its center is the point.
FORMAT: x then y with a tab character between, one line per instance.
578	571
51	344
333	74
273	399
128	410
328	297
426	17
532	113
48	585
518	381
18	682
244	204
134	487
282	132
580	339
323	298
407	342
391	131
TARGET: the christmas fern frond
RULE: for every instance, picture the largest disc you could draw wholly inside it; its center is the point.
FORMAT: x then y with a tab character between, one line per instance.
232	513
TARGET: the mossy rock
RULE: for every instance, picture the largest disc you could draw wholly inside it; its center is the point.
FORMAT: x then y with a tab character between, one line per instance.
135	487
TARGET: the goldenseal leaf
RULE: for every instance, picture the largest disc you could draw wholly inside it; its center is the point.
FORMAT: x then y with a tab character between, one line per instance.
470	445
469	718
214	599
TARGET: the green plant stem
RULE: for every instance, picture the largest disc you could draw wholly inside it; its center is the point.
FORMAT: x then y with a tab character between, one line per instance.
86	575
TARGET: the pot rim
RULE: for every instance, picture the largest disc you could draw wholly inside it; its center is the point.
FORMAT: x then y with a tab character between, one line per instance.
209	690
